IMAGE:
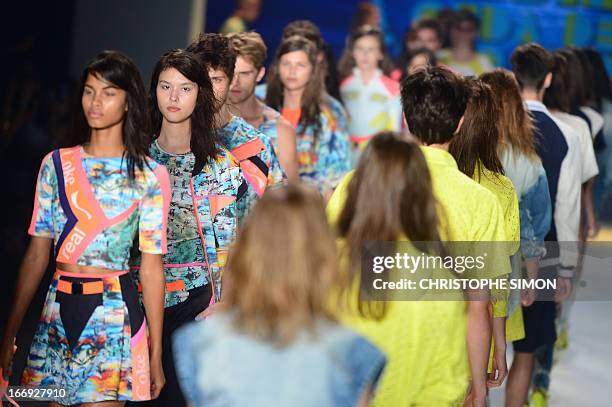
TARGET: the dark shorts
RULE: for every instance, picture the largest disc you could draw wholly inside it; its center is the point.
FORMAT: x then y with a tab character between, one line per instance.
539	319
175	317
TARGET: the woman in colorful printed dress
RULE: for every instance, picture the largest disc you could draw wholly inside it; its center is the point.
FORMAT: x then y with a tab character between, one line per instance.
295	88
92	200
204	179
371	97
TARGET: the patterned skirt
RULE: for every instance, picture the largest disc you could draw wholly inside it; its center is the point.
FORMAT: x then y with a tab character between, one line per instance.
91	340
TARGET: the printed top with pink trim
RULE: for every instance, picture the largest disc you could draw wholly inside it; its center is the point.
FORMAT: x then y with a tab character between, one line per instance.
93	211
202	220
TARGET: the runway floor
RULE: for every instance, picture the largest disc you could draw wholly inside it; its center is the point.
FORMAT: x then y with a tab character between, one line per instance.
581	374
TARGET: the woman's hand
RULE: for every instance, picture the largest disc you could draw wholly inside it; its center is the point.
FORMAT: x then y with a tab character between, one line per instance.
527	296
157	376
211	309
500	367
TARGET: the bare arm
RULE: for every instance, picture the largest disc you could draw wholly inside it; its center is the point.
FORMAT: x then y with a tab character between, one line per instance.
366	397
587	202
153	284
500	369
31	271
528	294
478	342
287	154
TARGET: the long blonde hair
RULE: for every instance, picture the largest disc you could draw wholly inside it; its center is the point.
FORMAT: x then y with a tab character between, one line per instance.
282	266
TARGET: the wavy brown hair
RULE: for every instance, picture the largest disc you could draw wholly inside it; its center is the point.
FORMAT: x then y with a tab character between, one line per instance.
347	62
389	198
515	125
275	294
476	143
314	94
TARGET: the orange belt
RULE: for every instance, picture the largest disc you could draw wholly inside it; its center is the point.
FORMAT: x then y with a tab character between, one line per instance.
91	287
177	285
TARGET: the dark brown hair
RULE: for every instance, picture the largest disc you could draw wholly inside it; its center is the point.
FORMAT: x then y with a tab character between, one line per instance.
557	95
314	92
214	51
475	144
118	69
433	99
347	62
295	277
204	139
575	74
587	84
601	79
530	64
389	198
515	125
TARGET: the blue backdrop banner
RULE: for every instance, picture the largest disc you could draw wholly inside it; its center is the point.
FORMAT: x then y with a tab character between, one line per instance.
504	23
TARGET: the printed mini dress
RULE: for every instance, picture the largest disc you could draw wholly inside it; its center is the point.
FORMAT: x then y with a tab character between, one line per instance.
91	339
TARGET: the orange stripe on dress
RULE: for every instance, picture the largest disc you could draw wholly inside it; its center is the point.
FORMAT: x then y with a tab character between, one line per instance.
90	218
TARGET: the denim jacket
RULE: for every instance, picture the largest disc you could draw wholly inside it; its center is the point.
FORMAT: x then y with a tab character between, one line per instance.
218	366
529	179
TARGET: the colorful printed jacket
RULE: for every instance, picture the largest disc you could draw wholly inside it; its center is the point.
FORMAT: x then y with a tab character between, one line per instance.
258	161
216	192
325	158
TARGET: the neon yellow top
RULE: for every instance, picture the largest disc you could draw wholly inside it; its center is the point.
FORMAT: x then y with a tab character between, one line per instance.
504	190
425	341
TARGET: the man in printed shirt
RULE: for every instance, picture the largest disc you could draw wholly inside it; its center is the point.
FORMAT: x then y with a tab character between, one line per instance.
251	148
251	55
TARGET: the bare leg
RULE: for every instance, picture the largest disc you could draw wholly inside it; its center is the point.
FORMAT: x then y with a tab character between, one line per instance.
519	379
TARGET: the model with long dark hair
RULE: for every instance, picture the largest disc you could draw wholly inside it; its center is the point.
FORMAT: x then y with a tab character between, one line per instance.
204	180
92	200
